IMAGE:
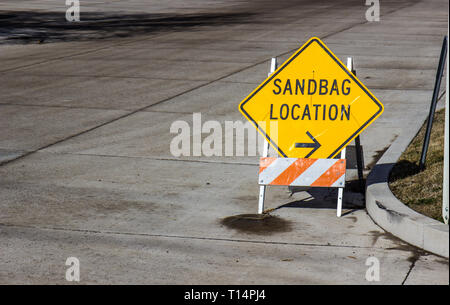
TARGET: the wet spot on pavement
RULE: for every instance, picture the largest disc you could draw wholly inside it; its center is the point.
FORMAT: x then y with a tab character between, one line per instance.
260	224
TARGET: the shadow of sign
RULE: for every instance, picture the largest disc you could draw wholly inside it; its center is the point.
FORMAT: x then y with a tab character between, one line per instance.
325	198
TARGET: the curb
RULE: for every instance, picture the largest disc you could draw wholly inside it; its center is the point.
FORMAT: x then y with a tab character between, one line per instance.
393	215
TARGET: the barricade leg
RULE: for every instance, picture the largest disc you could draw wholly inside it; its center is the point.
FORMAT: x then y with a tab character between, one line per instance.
262	188
340	192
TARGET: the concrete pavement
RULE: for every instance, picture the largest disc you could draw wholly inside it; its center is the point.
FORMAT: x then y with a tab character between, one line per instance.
87	170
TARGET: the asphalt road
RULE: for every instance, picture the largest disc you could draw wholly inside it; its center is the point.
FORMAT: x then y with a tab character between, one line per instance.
86	170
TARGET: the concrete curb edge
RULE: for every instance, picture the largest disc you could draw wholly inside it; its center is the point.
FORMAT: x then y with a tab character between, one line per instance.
394	216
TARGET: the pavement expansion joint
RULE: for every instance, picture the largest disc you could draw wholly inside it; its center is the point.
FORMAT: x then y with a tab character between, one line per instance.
89	231
149	158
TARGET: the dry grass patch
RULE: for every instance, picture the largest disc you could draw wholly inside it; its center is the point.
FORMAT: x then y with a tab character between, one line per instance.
422	191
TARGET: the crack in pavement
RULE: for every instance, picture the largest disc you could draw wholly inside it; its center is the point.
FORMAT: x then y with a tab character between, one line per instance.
413	264
149	158
86	231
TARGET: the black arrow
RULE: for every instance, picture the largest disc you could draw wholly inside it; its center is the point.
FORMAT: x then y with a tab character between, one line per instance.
316	145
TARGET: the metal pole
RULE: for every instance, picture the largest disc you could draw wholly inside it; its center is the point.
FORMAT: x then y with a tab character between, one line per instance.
358	150
437	87
359	162
446	153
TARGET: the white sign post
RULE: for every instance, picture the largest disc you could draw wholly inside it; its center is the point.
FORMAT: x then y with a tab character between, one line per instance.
262	188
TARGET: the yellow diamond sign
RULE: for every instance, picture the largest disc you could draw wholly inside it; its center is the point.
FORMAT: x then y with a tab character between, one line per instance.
312	105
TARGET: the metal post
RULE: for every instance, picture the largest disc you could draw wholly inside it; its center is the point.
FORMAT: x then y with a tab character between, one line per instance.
358	150
359	162
262	188
445	185
437	86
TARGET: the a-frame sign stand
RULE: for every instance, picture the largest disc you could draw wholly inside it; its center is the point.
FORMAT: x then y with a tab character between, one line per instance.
298	173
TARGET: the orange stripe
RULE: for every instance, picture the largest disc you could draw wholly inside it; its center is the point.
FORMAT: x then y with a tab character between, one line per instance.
331	175
264	162
293	171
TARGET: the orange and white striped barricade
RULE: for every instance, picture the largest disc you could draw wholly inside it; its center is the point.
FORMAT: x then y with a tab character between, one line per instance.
302	172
